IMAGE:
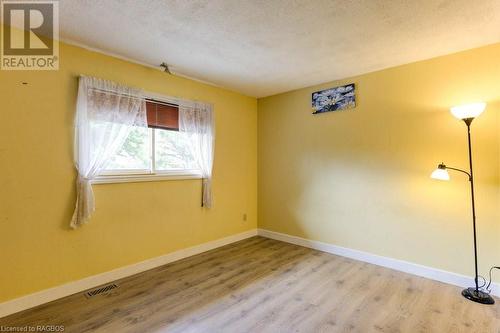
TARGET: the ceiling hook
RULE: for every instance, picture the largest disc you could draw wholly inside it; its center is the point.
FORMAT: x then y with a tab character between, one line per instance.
165	67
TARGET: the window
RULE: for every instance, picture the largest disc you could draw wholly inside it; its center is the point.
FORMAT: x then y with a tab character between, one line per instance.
159	151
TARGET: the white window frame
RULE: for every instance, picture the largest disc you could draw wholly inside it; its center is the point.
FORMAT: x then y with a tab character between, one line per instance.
151	174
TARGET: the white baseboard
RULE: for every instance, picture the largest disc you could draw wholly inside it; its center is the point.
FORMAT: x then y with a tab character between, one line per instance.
51	294
399	265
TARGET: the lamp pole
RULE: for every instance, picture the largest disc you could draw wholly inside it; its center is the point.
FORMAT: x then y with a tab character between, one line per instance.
468	122
474	294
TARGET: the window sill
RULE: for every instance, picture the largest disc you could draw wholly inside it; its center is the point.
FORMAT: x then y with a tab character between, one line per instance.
135	178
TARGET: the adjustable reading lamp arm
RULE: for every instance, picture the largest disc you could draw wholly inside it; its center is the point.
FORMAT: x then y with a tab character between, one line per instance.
443	166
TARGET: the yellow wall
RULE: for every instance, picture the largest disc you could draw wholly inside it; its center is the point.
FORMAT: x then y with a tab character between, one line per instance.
360	178
133	221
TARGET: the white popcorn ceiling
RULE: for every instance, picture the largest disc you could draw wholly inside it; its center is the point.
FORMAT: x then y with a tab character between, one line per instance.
261	48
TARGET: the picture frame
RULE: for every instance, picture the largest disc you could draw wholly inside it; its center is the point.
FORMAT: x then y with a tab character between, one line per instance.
334	99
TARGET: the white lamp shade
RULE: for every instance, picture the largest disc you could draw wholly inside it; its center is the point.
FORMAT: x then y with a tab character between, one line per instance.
440	174
468	110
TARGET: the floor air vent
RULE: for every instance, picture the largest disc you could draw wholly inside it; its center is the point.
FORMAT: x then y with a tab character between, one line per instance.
100	290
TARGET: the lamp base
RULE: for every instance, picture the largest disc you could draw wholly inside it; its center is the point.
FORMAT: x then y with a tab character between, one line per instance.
477	296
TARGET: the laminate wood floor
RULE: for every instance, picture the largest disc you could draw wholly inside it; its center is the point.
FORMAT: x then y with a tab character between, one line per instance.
263	285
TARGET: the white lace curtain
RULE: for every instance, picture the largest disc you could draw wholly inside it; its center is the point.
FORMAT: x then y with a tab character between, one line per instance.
105	114
197	121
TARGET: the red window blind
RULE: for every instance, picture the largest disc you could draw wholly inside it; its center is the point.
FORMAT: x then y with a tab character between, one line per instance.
161	115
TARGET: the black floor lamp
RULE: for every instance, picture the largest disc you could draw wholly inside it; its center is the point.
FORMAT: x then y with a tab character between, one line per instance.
467	113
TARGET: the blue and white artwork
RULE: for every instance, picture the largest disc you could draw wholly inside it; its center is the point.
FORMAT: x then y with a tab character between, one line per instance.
334	99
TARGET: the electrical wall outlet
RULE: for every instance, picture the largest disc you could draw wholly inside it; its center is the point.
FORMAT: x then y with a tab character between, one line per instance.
244	216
